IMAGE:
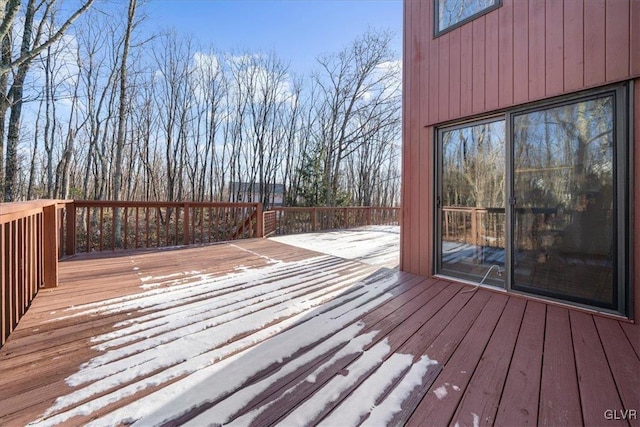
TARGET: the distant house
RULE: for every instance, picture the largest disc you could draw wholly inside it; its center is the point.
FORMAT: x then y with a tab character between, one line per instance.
250	192
521	147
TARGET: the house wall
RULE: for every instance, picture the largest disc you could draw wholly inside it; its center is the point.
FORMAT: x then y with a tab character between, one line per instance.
636	196
521	52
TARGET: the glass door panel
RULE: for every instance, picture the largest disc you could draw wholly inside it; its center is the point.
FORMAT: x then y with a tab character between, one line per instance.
472	202
563	217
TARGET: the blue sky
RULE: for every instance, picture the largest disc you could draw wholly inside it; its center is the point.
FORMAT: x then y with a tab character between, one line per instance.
297	30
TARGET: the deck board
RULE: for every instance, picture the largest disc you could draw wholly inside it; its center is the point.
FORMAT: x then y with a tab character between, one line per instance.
519	403
559	395
438	407
598	391
457	351
623	363
480	400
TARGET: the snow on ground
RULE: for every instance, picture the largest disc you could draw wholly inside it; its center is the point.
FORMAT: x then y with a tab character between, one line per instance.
374	244
199	339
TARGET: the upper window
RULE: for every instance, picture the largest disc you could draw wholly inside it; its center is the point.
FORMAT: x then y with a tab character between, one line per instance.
450	14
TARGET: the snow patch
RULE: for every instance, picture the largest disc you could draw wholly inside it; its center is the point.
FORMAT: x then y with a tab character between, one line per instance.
311	408
476	420
441	392
219	332
392	404
354	244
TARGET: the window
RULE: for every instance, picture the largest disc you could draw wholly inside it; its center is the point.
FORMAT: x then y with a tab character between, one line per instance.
450	14
537	200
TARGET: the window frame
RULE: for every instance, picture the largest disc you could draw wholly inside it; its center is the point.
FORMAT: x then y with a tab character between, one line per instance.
436	18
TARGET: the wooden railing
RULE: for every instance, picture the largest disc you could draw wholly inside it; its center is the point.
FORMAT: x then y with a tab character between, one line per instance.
269	222
107	225
476	226
288	220
30	245
34	235
486	226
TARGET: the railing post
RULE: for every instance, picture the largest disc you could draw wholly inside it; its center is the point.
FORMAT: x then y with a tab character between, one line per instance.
314	213
264	222
259	221
185	224
50	239
346	218
70	213
474	227
445	213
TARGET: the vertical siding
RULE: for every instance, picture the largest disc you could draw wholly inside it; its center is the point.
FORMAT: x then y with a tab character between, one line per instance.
454	71
443	78
636	198
466	69
537	57
521	52
505	57
432	78
491	62
593	48
573	36
478	77
414	106
634	46
554	47
617	39
409	116
424	159
526	51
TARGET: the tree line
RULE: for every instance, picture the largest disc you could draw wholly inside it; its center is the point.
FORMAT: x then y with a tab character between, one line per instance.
95	107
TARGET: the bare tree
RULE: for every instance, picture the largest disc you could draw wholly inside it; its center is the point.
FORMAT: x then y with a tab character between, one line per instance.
122	106
35	20
358	88
117	121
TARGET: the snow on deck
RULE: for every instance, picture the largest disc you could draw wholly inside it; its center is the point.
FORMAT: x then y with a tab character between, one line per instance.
374	244
199	340
260	333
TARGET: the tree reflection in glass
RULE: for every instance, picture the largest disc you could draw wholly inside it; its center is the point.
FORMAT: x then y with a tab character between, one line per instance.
563	183
450	12
473	200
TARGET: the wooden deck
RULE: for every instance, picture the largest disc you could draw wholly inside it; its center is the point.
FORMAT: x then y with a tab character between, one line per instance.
259	333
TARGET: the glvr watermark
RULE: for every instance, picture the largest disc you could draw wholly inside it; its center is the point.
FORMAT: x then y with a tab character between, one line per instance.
621	414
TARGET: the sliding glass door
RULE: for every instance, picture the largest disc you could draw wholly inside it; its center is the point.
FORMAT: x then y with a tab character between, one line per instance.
541	195
565	217
471	200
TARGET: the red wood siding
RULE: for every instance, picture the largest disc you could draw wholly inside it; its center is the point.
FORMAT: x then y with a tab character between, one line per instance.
537	36
478	79
617	39
521	52
491	61
636	202
634	46
573	36
454	79
594	37
505	55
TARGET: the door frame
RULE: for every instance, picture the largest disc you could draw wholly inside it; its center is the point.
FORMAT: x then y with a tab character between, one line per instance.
623	193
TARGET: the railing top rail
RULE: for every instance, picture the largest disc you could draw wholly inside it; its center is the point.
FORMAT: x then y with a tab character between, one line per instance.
471	209
16	210
327	208
144	204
